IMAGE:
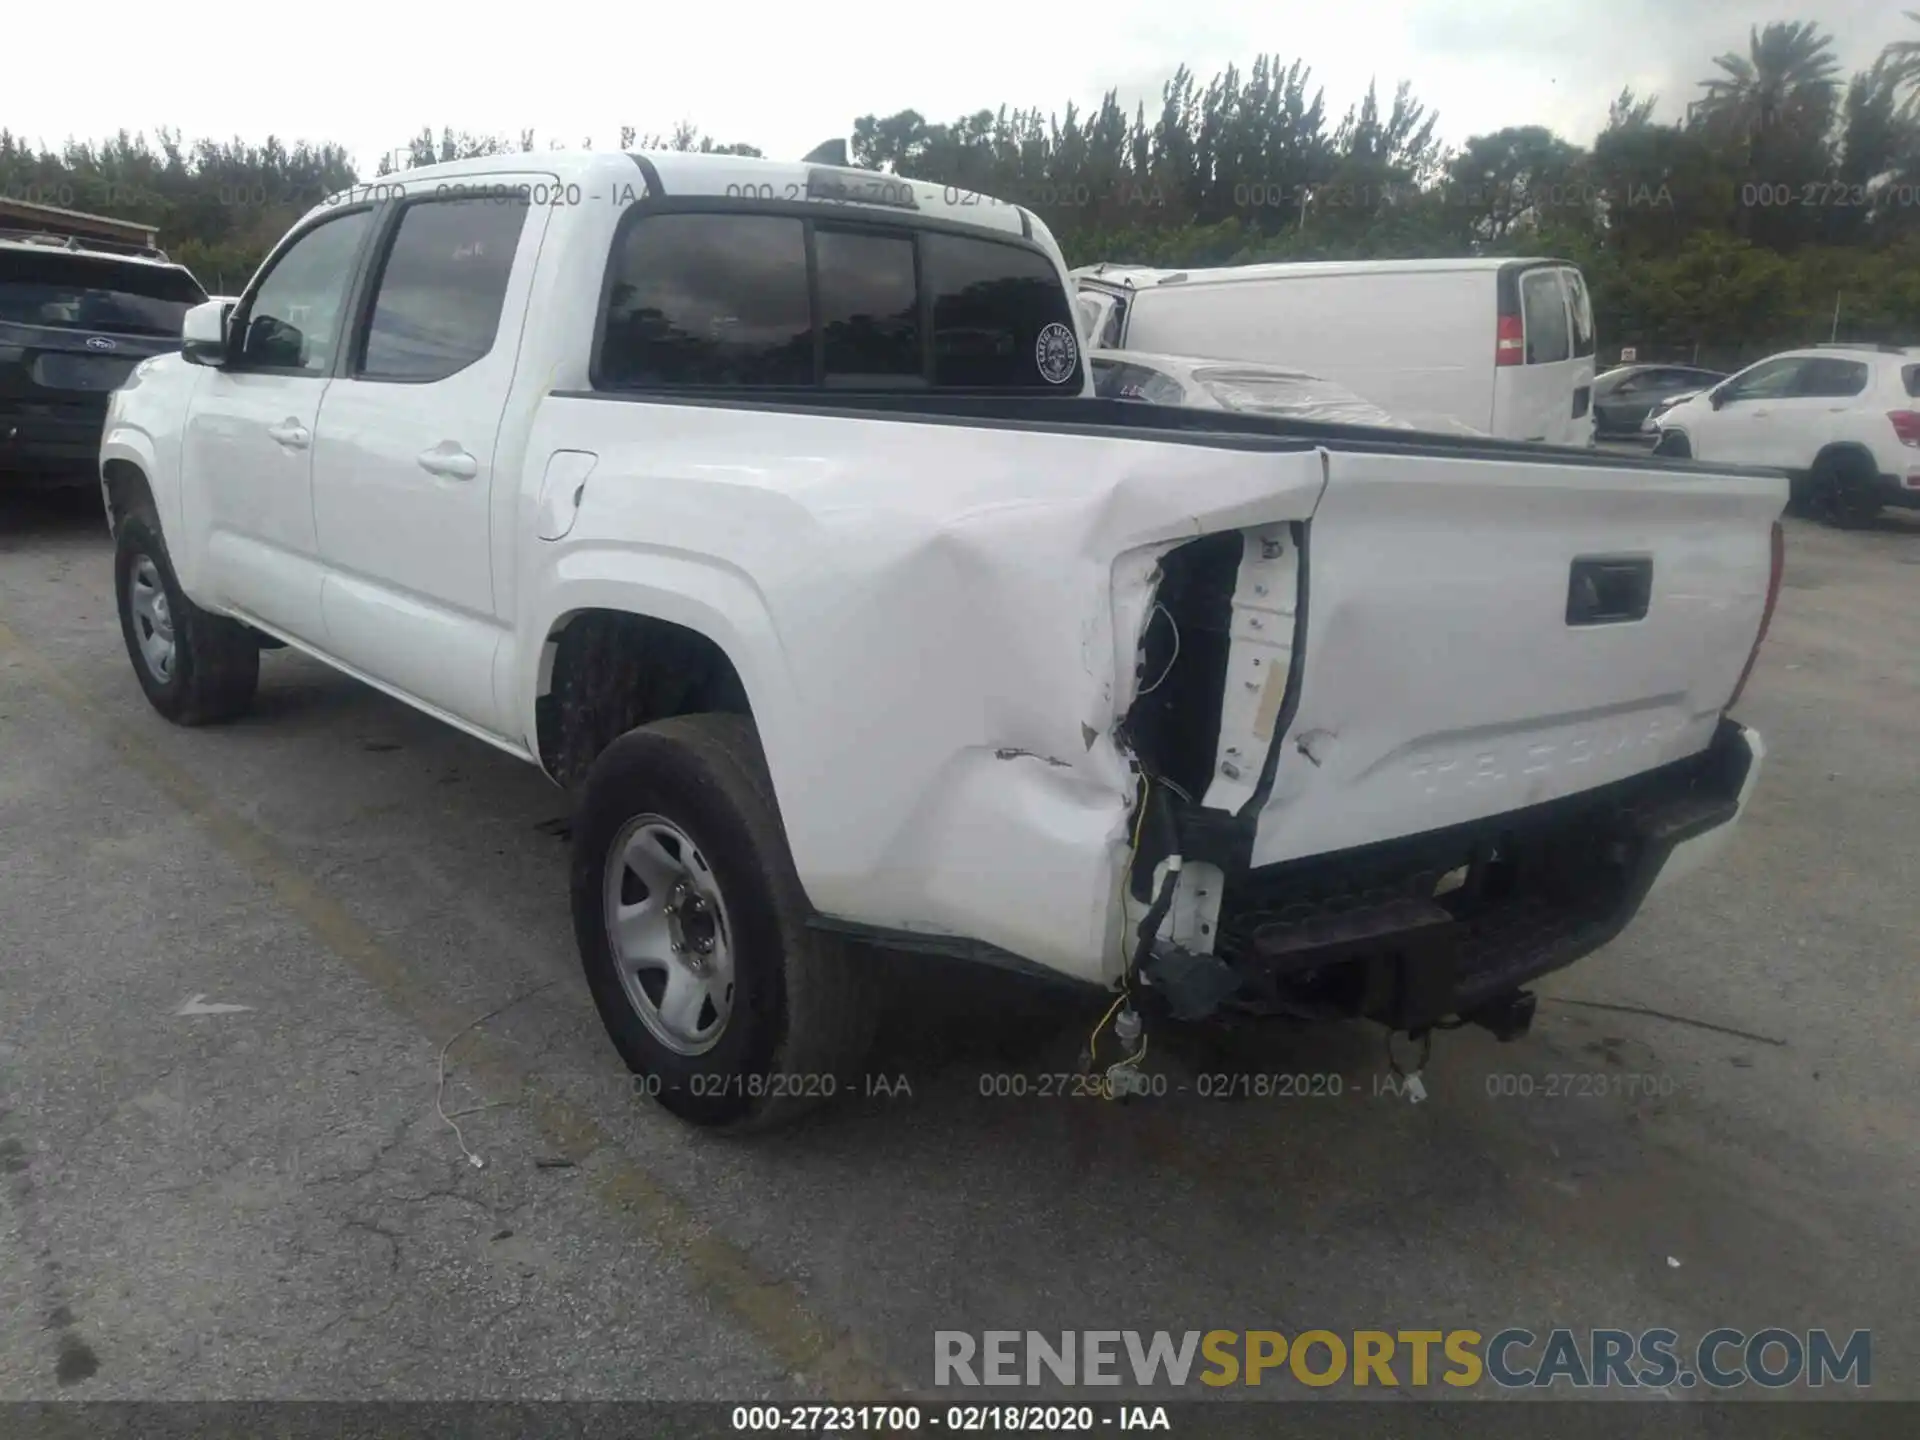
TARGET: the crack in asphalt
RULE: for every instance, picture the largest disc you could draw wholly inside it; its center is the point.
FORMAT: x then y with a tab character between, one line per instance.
769	1308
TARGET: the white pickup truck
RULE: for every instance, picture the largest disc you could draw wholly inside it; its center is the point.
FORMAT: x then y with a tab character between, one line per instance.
770	508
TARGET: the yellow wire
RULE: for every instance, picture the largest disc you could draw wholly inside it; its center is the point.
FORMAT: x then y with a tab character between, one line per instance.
1093	1040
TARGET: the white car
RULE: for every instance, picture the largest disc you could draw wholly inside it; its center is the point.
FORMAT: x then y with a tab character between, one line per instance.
1651	425
768	508
1245	388
1841	420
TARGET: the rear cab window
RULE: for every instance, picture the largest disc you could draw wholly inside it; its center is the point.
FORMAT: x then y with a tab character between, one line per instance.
764	299
1910	377
96	293
869	312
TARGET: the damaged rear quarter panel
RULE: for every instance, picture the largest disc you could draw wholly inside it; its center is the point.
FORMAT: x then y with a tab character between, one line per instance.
930	620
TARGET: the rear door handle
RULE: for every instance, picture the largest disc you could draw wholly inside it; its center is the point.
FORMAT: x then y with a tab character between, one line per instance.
454	464
291	433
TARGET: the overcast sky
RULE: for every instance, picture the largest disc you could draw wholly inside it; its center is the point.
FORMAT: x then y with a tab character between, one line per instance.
785	76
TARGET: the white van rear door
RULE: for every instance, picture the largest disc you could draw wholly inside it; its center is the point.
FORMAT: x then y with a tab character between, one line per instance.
1548	397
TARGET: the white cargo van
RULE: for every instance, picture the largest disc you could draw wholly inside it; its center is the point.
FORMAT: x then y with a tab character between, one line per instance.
1503	345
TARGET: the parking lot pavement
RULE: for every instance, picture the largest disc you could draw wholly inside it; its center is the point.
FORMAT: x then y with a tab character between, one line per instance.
235	963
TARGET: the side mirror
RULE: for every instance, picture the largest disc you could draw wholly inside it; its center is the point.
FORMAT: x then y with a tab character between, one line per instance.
1717	396
203	333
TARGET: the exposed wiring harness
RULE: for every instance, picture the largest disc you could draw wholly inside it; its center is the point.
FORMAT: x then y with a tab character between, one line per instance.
1160	679
1126	987
1150	924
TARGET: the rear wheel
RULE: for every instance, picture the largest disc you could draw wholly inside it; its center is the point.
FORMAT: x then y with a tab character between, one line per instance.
693	930
1840	491
196	668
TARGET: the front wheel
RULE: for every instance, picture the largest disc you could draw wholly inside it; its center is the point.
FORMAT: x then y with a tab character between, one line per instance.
1674	443
692	928
196	668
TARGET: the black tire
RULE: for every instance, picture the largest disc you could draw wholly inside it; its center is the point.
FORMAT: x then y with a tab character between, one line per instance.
215	662
1674	443
1840	491
803	1002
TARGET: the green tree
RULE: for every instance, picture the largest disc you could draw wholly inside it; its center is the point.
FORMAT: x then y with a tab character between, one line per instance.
1515	181
1772	110
1902	59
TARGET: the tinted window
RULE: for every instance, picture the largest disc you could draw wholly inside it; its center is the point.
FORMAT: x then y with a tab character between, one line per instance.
709	300
1000	316
1831	378
445	279
1910	376
81	292
1582	312
294	315
1768	380
869	307
1545	313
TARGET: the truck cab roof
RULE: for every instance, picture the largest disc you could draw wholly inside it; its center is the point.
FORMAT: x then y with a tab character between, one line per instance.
603	177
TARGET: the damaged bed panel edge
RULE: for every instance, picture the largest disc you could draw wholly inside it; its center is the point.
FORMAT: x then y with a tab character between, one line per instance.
1220	663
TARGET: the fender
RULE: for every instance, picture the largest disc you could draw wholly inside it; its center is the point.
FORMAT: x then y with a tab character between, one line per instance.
133	446
146	418
704	595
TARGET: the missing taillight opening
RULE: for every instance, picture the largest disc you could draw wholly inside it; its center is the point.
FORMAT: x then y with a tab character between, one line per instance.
1174	723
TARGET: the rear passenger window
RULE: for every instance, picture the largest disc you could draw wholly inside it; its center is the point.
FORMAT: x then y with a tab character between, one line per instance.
1831	379
1910	377
709	300
441	290
1545	311
1000	317
869	308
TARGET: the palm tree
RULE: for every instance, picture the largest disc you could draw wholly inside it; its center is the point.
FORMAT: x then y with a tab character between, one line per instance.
1788	81
1902	59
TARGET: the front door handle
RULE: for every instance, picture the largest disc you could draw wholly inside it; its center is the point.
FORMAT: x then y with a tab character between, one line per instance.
454	464
291	433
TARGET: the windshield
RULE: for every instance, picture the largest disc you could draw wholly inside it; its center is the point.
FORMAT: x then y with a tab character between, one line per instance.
87	292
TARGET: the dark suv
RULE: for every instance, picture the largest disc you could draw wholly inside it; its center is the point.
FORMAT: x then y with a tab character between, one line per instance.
74	321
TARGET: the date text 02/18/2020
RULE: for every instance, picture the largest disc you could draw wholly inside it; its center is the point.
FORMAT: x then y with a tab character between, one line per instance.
958	1419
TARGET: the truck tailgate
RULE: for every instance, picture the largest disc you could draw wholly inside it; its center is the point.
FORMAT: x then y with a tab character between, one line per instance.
1484	635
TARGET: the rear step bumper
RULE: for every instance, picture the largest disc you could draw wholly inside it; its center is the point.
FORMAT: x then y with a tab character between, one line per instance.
1451	924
